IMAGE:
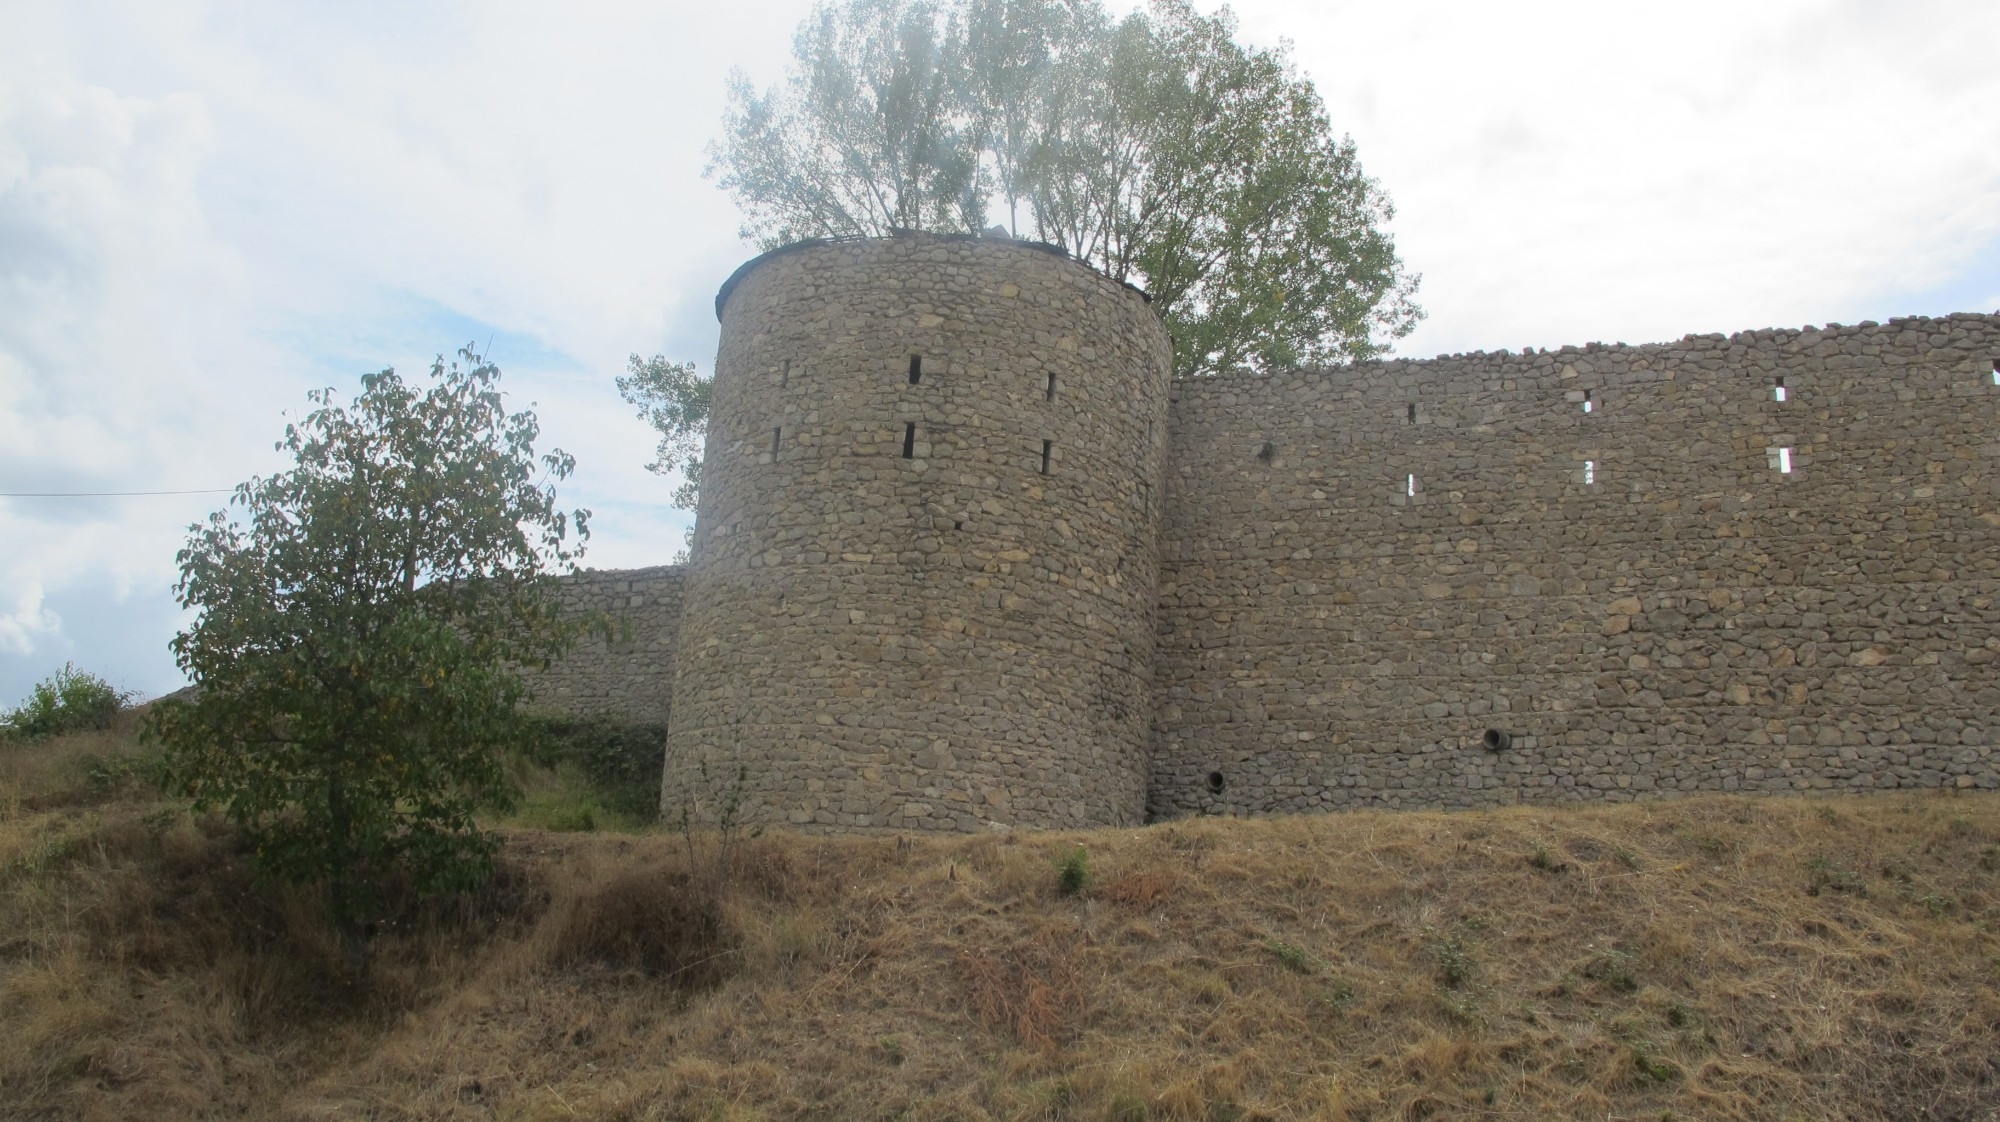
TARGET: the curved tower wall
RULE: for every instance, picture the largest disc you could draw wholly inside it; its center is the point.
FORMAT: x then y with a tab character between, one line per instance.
922	597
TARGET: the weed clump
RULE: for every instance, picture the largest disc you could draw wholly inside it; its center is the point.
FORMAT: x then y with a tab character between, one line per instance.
1453	957
1073	872
1828	874
1128	1108
1644	1053
1296	959
1545	860
1614	968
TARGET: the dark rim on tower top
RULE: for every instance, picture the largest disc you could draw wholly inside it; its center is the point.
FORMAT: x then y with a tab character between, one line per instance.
744	270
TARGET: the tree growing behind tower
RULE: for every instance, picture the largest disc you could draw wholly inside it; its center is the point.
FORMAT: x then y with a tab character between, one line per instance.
1156	147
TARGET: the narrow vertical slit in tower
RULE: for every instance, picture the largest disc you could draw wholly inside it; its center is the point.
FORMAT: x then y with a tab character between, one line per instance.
1778	389
1588	404
1996	371
1047	447
775	435
1589	472
916	369
1413	412
910	440
1050	393
785	373
1785	461
1410	486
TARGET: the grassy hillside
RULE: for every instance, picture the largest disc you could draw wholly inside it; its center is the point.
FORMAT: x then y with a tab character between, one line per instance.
1699	959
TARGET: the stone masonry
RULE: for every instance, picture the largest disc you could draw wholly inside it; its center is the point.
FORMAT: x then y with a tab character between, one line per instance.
1597	552
925	562
619	675
967	556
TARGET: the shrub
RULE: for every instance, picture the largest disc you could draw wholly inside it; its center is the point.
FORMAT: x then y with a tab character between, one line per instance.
360	634
70	701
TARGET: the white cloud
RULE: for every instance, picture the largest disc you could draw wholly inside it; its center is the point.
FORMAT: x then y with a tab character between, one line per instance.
25	621
207	208
115	307
1570	172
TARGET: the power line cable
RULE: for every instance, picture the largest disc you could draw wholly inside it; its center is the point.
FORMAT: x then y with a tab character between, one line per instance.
107	494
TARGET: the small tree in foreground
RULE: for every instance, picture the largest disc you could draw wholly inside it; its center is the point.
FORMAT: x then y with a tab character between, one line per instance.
354	657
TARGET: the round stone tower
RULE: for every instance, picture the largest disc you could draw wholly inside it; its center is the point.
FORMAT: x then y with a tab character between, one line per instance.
924	571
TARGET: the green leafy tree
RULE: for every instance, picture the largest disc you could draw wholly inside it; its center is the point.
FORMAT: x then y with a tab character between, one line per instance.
356	650
1156	147
867	135
674	399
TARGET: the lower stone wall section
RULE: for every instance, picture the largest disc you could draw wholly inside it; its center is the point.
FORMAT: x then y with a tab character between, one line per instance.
627	675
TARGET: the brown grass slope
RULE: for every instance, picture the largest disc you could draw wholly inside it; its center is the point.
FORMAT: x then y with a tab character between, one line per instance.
1711	959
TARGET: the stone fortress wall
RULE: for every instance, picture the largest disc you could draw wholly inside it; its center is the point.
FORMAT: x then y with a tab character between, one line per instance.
619	675
1595	551
1305	591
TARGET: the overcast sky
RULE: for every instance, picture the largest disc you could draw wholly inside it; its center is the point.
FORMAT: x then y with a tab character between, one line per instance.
207	209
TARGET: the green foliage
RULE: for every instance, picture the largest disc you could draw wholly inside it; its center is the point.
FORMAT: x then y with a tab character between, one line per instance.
1339	997
1453	955
622	760
1294	958
355	651
1155	147
1073	872
869	135
1828	874
110	773
1646	1060
71	700
675	400
1126	1107
1616	969
48	855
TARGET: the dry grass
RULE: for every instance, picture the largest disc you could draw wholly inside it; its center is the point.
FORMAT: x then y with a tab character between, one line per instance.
1711	959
